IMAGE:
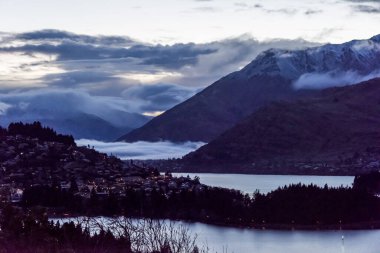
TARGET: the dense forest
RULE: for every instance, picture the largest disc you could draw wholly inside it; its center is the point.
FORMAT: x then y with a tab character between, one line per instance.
368	182
294	205
36	130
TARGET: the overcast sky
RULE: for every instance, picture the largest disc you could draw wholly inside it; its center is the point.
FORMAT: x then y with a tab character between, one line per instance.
171	21
145	56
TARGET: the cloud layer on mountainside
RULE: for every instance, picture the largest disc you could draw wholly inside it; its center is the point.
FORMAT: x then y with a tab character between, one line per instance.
143	150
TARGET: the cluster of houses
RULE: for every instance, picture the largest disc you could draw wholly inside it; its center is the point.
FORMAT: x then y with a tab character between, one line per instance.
358	163
27	162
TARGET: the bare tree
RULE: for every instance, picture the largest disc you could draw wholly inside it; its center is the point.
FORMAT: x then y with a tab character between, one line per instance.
147	235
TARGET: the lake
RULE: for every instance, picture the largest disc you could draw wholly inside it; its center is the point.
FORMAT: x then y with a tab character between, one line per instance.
266	183
238	240
270	241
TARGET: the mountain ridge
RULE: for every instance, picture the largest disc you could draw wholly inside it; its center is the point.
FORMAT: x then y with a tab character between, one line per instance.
271	76
337	128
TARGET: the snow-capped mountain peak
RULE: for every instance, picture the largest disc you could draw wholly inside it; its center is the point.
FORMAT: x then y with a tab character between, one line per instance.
376	38
359	56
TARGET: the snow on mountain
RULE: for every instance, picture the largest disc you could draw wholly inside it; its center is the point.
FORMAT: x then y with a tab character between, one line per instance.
361	57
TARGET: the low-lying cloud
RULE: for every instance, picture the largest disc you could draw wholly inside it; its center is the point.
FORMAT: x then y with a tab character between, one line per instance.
63	104
157	97
61	108
142	150
332	79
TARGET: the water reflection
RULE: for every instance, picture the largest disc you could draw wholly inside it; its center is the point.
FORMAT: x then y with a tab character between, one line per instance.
269	241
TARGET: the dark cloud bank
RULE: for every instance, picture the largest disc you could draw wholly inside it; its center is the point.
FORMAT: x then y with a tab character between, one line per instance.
365	6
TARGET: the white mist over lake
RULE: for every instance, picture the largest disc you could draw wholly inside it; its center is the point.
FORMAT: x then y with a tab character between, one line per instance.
142	150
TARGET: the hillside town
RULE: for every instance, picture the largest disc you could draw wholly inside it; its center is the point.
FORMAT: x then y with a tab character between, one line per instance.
29	161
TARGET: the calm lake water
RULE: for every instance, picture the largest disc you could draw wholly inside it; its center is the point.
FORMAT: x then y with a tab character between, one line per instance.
266	183
270	241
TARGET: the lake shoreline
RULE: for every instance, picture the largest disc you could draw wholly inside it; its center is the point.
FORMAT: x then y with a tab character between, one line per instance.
307	169
365	226
260	172
265	183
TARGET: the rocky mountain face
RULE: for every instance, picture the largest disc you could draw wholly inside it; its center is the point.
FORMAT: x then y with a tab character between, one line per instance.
215	109
337	129
273	76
